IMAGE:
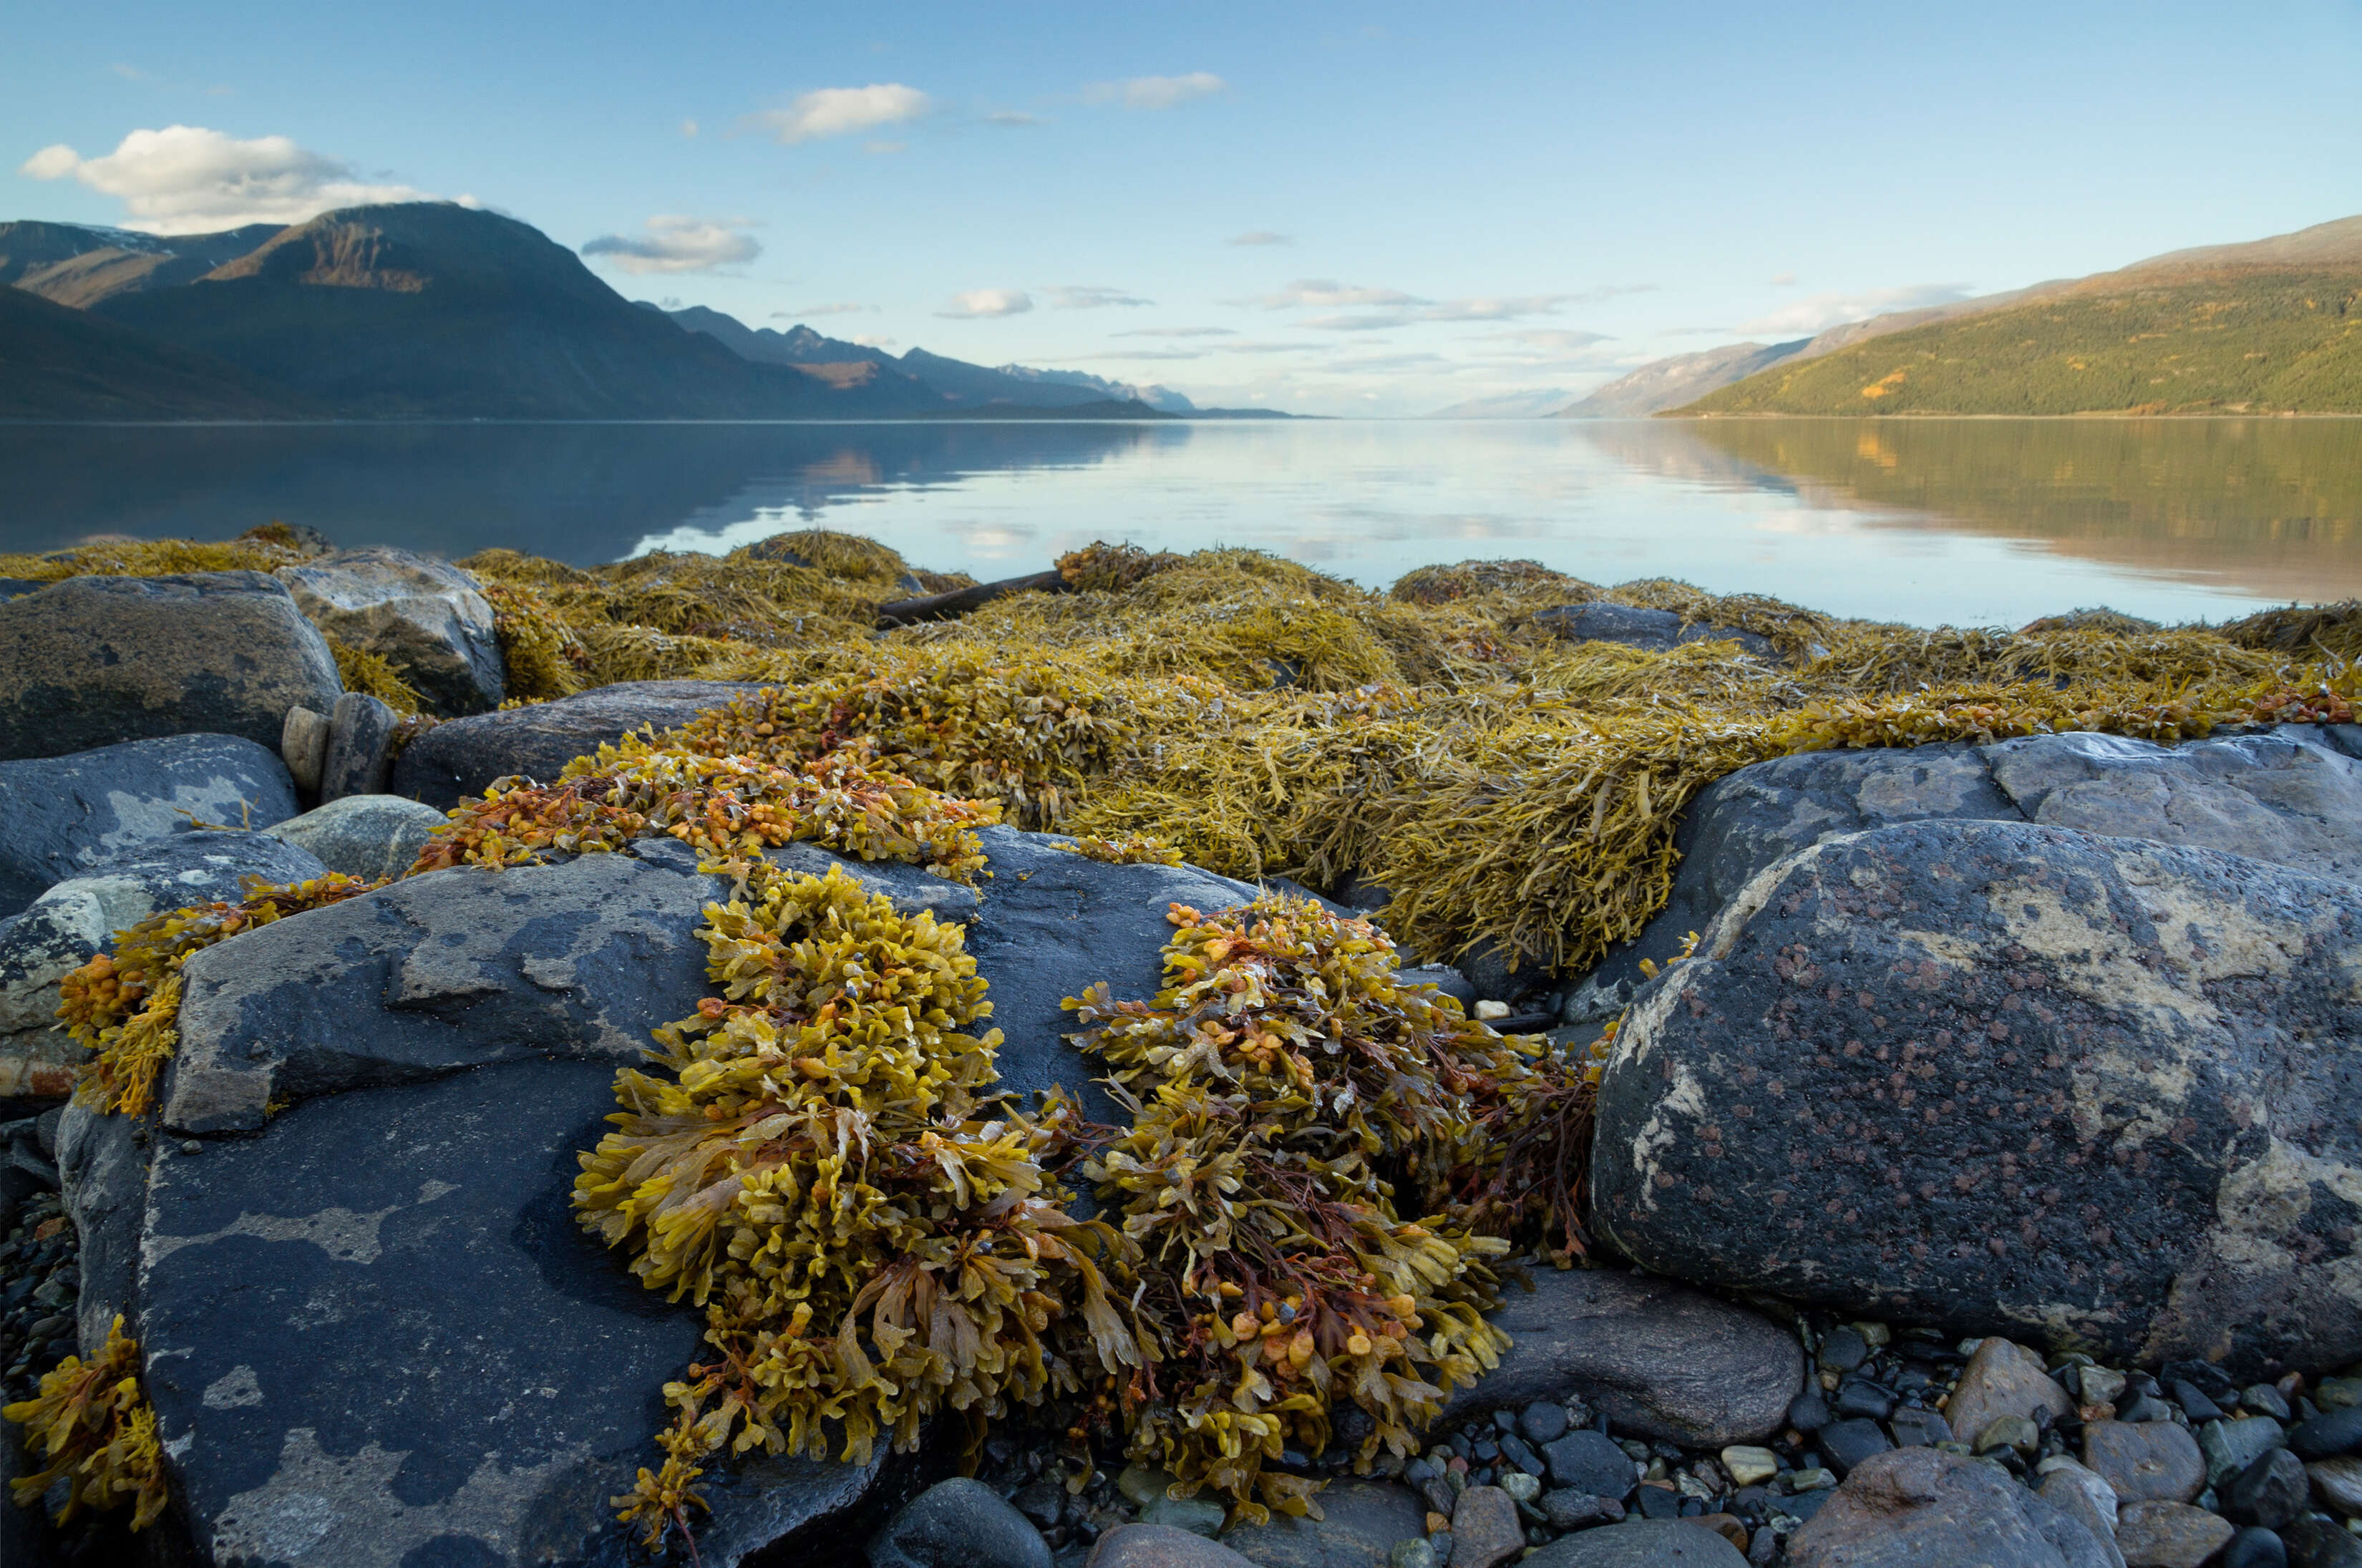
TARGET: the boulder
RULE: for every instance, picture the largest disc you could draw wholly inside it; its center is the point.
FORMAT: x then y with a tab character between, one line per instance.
1641	1543
60	931
2291	795
2169	1535
376	1334
2149	1461
959	1523
2010	1078
360	756
2002	1379
1654	630
367	836
61	815
1160	1546
1656	1358
1364	1520
1912	1506
95	660
458	760
426	618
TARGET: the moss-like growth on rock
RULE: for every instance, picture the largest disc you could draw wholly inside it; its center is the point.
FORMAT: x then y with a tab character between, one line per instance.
364	671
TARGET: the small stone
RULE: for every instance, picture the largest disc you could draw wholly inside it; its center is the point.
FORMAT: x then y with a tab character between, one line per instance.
2338	1485
2011	1432
2082	1495
2316	1543
1570	1509
1916	1428
2254	1548
1857	1397
2002	1378
1659	1501
1589	1462
1844	1444
2151	1461
2194	1403
1412	1551
1543	1421
1489	1011
1746	1465
2329	1434
2169	1535
1520	1486
2270	1492
2232	1446
1154	1546
190	1146
959	1523
2263	1399
1808	1412
1042	1502
2143	1406
2338	1393
2099	1385
1815	1479
1843	1350
1514	1451
1877	1336
1439	1524
1727	1526
1198	1515
1484	1528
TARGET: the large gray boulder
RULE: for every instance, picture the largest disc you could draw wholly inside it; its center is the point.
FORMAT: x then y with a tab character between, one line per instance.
2291	794
2011	1080
63	929
428	618
94	660
374	1328
60	816
457	761
1657	1358
367	836
1653	630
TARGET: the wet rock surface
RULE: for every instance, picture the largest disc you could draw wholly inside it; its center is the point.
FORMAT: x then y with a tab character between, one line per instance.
1654	630
1918	1505
60	815
459	759
1999	1077
94	661
426	618
369	836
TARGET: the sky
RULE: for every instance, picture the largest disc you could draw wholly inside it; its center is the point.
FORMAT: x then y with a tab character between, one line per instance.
1376	209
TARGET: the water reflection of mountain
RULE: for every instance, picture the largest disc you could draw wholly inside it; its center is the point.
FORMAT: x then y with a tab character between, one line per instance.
2272	505
577	492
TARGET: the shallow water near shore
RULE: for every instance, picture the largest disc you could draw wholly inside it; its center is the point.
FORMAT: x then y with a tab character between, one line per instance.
1969	522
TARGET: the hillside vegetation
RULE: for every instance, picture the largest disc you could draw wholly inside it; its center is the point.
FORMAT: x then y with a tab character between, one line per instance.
2196	339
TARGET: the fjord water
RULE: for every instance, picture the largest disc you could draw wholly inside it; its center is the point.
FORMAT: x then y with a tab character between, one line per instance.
1967	522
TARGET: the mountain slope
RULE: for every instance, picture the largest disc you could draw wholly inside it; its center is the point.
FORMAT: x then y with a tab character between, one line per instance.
430	309
2178	340
60	363
2267	325
1164	399
1670	382
75	265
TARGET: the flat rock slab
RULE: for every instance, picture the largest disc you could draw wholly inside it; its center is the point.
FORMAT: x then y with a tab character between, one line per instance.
66	926
95	660
1655	631
1914	1506
458	760
2011	1078
60	815
2291	795
1654	1356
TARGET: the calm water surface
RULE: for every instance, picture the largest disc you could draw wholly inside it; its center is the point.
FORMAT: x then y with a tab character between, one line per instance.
1928	521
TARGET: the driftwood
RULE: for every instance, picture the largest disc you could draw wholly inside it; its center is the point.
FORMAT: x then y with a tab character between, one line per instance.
945	606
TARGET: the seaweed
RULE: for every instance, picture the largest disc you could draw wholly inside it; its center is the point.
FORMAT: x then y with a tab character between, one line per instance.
92	1427
363	671
1136	849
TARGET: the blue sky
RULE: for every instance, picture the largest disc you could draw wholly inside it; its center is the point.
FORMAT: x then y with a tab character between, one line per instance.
1373	208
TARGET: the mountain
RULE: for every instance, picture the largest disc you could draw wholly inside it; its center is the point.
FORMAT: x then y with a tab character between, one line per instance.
1508	405
1163	399
61	363
77	265
428	309
2271	326
1670	382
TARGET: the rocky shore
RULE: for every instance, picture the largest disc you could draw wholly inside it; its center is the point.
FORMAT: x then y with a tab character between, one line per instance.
1982	1187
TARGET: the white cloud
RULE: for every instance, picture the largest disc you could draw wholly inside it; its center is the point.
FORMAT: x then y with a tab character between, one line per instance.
1494	307
1329	293
1180	332
1152	354
1554	342
1261	237
1380	322
678	244
842	307
189	180
1012	119
980	302
1157	92
840	111
689	127
1818	313
1078	296
871	340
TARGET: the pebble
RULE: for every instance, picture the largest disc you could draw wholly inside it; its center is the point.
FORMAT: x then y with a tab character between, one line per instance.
1589	1462
1542	1422
1570	1509
1411	1552
2254	1548
2232	1446
1198	1515
2316	1543
2337	1482
1520	1486
2329	1434
1857	1397
1916	1428
2338	1393
2169	1535
2263	1399
2098	1384
1844	1444
1484	1528
2015	1432
2146	1463
2270	1492
1808	1412
1746	1465
1842	1350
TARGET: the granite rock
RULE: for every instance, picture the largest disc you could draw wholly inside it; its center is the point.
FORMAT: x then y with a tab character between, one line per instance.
369	836
1919	1506
458	760
426	618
